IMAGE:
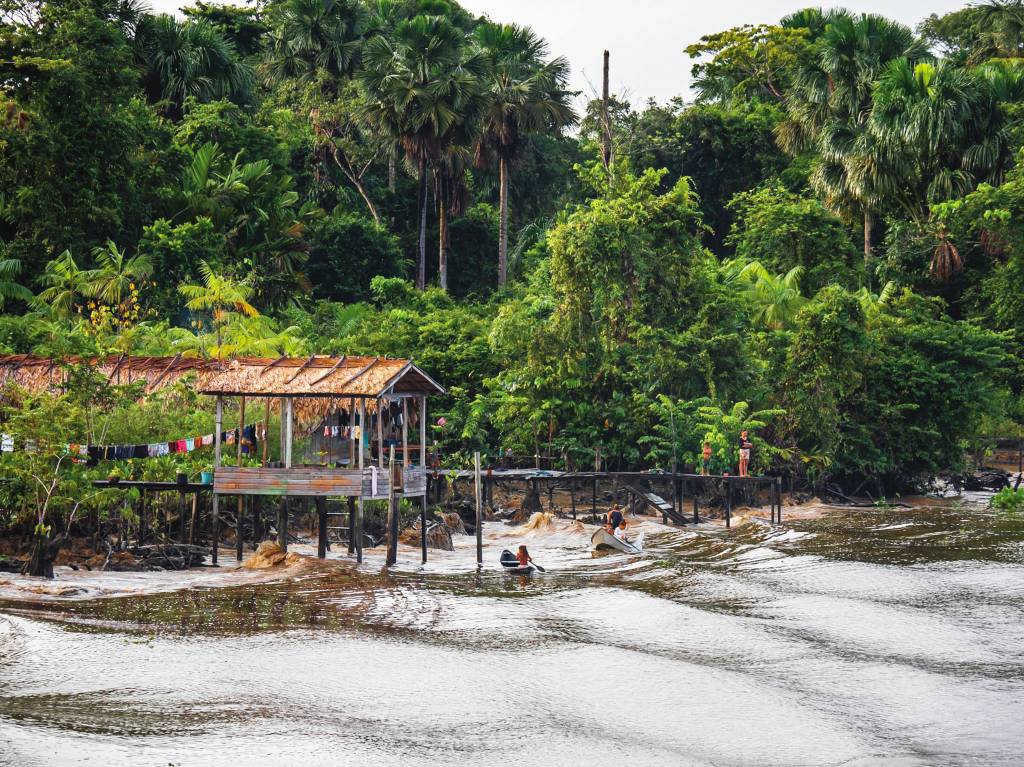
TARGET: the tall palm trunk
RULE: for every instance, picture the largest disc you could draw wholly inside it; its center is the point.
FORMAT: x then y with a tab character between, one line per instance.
392	173
869	253
442	248
421	250
503	221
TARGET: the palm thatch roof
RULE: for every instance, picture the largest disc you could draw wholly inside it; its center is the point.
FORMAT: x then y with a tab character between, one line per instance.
318	376
321	377
44	373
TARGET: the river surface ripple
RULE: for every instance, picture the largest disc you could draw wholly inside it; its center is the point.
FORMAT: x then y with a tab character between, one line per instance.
877	637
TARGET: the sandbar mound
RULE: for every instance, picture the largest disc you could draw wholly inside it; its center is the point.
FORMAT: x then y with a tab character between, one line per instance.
270	554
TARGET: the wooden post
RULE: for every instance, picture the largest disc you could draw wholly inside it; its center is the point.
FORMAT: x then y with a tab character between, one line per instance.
423	468
241	499
572	494
266	431
696	492
351	501
728	502
778	497
182	516
282	523
593	499
218	421
351	440
288	433
192	522
359	508
392	554
321	517
380	434
479	512
143	522
405	431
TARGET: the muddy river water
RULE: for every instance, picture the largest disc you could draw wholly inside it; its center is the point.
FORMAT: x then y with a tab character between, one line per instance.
869	637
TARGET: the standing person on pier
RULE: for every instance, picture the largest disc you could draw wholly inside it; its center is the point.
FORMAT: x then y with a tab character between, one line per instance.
745	447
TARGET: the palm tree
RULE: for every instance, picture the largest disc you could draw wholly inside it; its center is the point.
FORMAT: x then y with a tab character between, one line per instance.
422	87
64	286
1003	22
223	297
313	37
189	59
940	129
829	106
10	268
525	94
776	298
116	275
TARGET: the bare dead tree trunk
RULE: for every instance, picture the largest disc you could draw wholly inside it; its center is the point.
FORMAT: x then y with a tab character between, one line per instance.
421	251
502	221
356	179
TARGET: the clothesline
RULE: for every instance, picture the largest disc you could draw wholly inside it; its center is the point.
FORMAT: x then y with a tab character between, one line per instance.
249	435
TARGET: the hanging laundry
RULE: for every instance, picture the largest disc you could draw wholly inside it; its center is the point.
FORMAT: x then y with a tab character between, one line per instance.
6	443
190	445
140	451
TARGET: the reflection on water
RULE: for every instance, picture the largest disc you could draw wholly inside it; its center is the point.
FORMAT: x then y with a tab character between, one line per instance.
890	637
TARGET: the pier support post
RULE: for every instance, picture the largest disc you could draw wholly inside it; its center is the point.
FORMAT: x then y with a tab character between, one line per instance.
282	523
696	515
479	512
351	523
593	500
238	528
572	494
218	425
392	554
321	526
728	502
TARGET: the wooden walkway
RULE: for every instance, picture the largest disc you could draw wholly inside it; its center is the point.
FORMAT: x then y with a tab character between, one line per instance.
671	505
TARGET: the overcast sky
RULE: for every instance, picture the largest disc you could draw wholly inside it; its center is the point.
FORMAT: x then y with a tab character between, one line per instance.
647	37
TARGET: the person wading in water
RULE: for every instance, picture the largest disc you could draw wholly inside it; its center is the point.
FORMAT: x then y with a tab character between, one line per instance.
745	446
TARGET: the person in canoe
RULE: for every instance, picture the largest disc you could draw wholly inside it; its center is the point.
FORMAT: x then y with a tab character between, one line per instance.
523	556
614	519
620	531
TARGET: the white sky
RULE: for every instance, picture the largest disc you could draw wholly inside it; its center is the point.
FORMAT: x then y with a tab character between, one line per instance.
647	37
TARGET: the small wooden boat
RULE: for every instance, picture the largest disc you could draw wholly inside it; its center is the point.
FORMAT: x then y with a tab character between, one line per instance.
602	539
511	564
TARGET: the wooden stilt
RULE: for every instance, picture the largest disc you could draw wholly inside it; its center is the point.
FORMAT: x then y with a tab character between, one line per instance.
143	521
593	500
696	516
392	553
218	421
351	501
728	502
321	517
479	512
572	495
359	508
282	523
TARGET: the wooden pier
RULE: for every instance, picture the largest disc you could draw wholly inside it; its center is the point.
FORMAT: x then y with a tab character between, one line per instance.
679	502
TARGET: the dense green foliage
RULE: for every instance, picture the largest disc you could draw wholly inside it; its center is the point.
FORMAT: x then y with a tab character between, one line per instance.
826	248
